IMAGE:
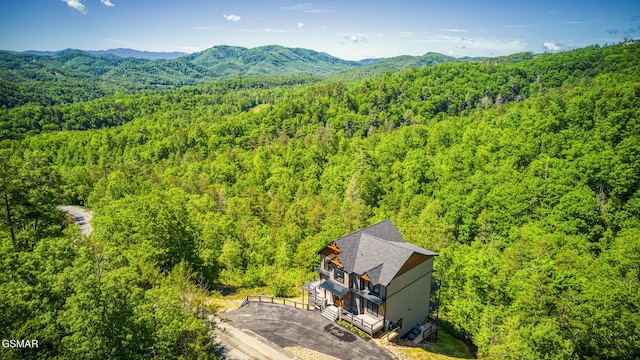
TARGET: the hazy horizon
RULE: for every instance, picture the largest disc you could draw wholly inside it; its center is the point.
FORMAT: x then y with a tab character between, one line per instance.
350	31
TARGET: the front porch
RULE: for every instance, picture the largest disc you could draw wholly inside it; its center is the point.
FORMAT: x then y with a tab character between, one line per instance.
332	304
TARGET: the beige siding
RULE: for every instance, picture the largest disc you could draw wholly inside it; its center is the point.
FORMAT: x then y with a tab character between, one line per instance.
408	296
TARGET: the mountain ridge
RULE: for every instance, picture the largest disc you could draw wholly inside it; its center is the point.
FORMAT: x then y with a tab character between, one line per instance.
118	52
72	75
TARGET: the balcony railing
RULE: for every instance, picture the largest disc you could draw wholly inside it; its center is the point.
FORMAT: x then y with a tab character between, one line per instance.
323	271
362	322
375	298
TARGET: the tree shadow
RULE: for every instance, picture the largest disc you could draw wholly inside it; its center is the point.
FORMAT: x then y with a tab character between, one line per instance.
226	290
340	333
449	346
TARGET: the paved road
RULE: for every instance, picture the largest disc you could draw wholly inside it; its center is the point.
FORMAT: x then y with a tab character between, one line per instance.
286	326
80	216
243	344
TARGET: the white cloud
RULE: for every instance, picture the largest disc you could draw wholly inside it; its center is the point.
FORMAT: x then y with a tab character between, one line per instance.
234	18
298	7
307	8
551	46
77	4
475	46
455	30
299	25
318	11
407	34
581	22
519	26
354	38
121	42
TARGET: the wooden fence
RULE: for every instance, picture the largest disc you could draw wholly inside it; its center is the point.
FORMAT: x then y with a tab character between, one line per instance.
276	300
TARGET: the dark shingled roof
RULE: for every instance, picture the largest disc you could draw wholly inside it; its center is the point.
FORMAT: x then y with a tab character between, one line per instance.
377	250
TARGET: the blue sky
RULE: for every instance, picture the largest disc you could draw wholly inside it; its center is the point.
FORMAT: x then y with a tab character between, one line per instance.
347	29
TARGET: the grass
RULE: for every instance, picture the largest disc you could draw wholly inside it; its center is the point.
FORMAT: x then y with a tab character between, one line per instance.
446	348
259	108
354	329
229	297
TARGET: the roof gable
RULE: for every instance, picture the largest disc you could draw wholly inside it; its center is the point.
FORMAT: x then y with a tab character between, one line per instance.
377	250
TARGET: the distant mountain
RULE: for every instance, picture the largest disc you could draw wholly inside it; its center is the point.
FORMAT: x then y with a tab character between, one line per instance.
266	60
151	55
76	75
377	67
120	52
369	61
216	62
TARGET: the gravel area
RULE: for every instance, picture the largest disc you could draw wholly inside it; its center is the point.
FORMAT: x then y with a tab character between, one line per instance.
308	354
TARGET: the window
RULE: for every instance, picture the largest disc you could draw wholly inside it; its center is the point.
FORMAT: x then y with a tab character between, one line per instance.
338	275
372	308
375	289
363	284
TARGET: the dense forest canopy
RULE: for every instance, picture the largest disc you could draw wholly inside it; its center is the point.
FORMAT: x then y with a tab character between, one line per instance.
73	75
522	172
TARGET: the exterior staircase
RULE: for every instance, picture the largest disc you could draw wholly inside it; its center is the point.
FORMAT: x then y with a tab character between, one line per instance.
330	312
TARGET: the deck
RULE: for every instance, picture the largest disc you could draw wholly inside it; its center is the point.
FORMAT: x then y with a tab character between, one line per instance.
316	295
367	323
363	321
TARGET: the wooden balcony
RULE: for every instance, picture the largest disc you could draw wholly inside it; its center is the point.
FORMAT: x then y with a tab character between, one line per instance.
364	322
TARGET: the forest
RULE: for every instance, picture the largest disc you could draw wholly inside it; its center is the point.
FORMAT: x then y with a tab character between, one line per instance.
522	172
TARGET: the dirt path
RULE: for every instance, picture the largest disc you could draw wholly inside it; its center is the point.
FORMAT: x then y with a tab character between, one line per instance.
80	216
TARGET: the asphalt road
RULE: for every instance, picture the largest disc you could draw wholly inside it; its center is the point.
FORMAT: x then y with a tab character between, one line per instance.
243	344
80	216
286	326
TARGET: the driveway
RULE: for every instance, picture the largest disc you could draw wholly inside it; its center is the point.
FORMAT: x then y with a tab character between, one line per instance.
237	344
80	216
286	326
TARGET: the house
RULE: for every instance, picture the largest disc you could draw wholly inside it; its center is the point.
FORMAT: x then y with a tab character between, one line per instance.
374	279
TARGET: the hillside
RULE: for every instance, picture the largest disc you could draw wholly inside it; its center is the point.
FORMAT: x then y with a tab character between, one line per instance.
74	75
267	60
119	52
50	78
523	174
